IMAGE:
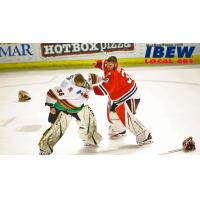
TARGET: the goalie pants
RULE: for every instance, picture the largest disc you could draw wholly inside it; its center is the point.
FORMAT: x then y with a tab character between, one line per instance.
132	104
87	129
52	117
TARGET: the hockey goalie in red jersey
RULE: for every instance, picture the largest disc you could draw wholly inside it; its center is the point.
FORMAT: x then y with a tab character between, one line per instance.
123	99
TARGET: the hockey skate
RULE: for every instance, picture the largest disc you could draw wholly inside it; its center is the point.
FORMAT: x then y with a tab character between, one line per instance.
149	140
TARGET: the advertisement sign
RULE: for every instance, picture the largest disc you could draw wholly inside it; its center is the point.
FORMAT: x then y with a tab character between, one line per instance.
17	52
62	49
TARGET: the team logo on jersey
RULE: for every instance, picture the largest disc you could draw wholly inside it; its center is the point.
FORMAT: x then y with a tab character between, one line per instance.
169	54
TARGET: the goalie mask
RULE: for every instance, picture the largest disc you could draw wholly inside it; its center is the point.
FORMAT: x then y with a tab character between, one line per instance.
188	144
23	96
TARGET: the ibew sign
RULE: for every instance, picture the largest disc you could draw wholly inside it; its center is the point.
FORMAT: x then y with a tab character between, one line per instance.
169	52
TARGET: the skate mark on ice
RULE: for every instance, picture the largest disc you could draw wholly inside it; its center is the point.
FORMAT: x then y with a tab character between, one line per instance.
8	121
29	128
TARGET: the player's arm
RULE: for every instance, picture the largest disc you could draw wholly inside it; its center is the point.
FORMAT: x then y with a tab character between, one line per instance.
98	90
104	88
51	98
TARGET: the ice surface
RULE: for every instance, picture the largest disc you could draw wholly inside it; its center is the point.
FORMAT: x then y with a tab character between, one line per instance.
170	108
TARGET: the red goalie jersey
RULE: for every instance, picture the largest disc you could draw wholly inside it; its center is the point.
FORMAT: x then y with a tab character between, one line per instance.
117	84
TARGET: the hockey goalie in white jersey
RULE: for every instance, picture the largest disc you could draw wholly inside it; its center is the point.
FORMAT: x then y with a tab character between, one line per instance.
66	101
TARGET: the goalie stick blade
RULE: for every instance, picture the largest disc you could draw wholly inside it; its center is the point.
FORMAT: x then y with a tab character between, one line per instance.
171	151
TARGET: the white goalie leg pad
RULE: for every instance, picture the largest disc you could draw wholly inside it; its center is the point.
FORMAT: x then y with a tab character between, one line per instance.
88	127
135	126
116	126
53	134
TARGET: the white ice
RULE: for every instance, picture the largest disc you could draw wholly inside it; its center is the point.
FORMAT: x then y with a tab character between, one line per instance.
170	108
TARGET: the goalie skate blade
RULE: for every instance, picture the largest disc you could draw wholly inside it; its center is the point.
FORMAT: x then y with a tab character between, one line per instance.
116	137
146	143
91	146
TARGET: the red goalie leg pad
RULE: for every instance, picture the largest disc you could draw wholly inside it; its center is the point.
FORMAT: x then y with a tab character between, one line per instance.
120	110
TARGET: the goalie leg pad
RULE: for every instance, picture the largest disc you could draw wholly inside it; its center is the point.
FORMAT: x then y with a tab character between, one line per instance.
132	123
53	134
88	127
116	127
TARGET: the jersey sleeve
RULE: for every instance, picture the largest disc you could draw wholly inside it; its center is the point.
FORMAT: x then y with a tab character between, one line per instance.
106	87
51	98
67	83
99	90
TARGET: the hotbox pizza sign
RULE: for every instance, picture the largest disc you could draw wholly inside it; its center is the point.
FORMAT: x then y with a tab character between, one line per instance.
61	49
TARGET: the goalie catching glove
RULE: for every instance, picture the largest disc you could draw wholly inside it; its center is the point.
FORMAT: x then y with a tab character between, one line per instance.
188	144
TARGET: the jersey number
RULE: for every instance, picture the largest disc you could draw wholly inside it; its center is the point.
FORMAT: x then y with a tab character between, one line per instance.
60	92
124	74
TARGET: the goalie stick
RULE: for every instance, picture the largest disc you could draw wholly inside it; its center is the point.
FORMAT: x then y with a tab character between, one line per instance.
171	151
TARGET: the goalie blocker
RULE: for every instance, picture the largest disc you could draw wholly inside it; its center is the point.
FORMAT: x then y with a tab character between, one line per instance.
87	130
